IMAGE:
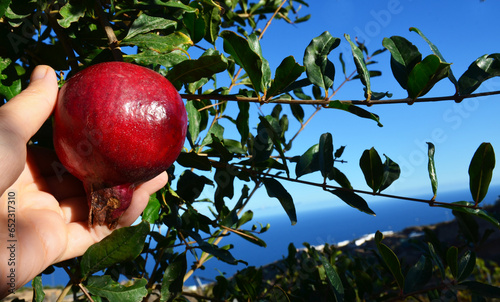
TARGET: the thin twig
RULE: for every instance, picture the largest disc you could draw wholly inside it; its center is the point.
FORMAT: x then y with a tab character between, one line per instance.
65	292
85	292
112	40
271	19
324	186
456	98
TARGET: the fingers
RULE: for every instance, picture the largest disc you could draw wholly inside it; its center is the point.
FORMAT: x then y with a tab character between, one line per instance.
141	197
24	114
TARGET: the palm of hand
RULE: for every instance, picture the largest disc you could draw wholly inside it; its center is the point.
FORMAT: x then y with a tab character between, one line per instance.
51	215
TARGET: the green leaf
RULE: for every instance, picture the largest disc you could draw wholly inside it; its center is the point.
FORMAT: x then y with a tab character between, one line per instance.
466	265
212	24
431	167
333	279
297	112
391	173
195	25
320	71
436	258
273	129
325	154
436	51
425	75
173	278
148	57
349	107
193	160
340	178
452	260
10	84
194	118
243	54
242	121
225	187
104	286
211	249
372	168
308	162
71	12
359	61
484	68
275	189
254	43
418	275
354	200
481	289
145	23
38	293
152	211
217	130
460	206
404	56
190	71
249	236
122	245
480	171
390	259
4	4
190	185
286	73
160	44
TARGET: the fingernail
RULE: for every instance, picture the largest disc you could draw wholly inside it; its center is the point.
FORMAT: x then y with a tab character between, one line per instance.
39	73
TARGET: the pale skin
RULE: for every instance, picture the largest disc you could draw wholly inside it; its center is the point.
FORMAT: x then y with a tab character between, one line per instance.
50	206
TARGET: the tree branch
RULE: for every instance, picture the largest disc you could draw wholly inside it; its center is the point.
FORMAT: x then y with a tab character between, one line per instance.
324	103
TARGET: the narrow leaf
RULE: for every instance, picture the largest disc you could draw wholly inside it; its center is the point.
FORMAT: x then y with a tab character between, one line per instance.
452	260
481	171
242	121
461	207
436	51
193	160
432	168
160	44
466	265
194	118
354	200
38	293
297	112
333	279
275	189
340	178
152	211
71	12
390	259
325	155
359	61
4	4
349	107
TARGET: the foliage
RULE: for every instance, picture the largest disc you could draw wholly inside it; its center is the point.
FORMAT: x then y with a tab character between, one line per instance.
198	45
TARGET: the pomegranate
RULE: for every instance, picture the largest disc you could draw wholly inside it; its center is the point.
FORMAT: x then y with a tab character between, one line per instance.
117	125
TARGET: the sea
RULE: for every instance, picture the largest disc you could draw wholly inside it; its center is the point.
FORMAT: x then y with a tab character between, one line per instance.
331	224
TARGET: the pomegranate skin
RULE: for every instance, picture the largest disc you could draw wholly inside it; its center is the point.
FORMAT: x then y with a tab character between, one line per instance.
117	125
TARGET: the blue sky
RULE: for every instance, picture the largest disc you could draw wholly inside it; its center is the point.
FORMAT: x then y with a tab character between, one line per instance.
461	32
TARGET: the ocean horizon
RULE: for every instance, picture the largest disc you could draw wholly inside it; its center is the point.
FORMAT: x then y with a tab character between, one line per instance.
328	224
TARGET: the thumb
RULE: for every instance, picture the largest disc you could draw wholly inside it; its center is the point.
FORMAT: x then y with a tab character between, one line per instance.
24	114
20	119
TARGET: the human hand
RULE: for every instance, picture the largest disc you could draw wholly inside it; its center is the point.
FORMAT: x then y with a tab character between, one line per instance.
51	210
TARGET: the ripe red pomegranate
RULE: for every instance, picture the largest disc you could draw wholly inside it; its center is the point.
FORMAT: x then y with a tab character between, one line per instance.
117	125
